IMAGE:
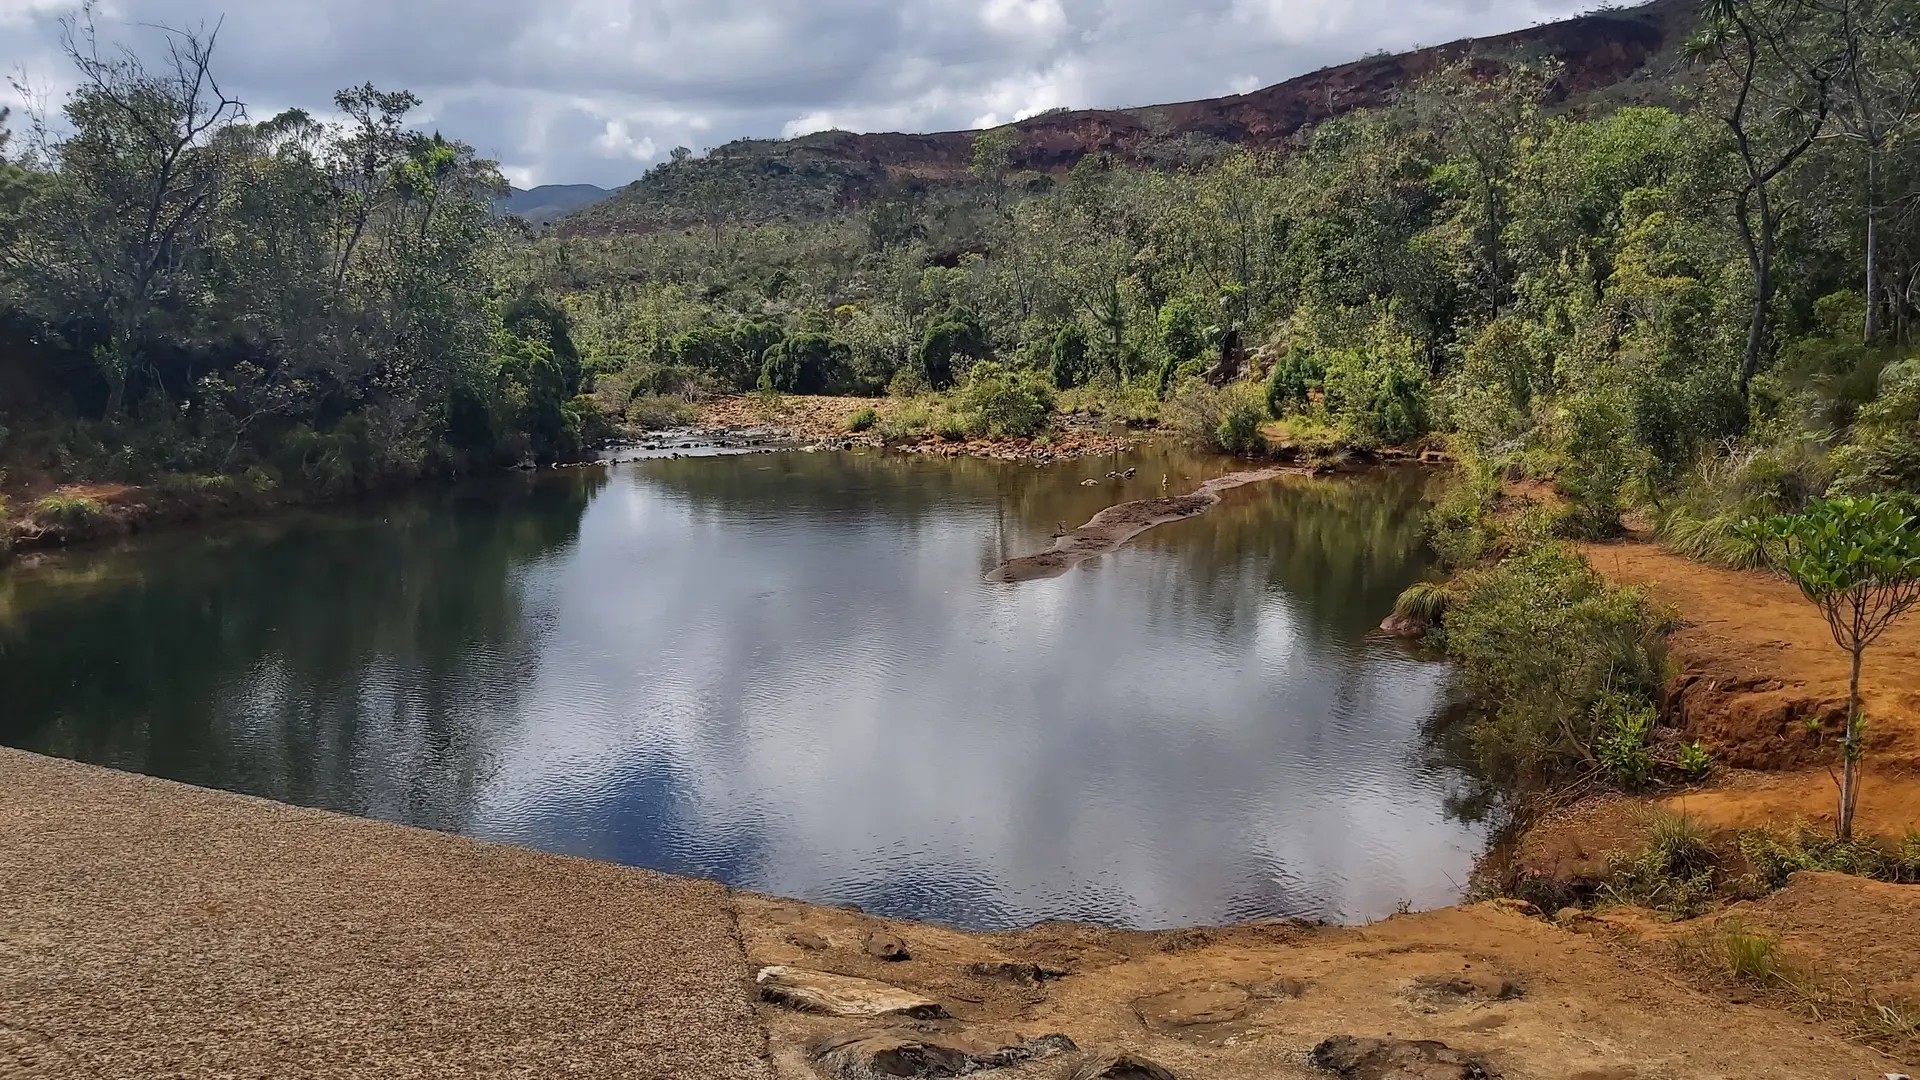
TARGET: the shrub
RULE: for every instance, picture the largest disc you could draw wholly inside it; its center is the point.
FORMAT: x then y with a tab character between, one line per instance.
1540	641
1222	418
1673	872
949	344
805	364
1747	956
863	419
1461	527
1425	602
1621	726
1883	453
74	517
655	412
1694	762
1774	855
998	402
1067	357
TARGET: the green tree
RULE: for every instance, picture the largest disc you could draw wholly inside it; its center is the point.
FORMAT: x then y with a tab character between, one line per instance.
1858	561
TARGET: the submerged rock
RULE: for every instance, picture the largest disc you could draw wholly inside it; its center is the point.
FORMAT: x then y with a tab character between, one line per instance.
1398	1059
871	1055
842	995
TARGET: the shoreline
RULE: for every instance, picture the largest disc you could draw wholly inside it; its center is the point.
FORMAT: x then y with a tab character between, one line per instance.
162	928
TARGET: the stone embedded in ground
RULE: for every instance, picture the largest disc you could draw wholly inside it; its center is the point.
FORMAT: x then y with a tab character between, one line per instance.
1192	1005
842	995
1480	985
808	940
1398	1059
884	946
911	1054
1123	1067
1015	972
1403	626
1278	989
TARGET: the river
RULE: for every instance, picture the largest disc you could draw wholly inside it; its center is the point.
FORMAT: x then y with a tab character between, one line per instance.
789	672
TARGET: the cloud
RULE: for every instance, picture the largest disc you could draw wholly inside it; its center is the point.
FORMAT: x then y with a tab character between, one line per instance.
593	90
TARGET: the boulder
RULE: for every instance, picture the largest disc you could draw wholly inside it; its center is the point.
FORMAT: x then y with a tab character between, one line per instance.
1483	986
1403	626
884	946
1398	1059
1123	1067
842	995
911	1054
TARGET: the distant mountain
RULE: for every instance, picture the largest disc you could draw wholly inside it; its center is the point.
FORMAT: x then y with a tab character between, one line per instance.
548	202
1612	56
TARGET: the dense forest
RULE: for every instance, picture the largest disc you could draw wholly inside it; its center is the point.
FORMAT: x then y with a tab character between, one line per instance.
1702	308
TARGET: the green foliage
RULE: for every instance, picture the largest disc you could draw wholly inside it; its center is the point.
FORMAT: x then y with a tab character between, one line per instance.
1622	724
1694	762
74	517
949	345
1674	872
1227	419
1883	453
1067	357
1003	403
1461	527
1425	602
1542	641
863	419
658	412
805	363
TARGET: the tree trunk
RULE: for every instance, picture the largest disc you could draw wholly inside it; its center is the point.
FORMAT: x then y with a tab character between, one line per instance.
1873	243
1762	300
1850	771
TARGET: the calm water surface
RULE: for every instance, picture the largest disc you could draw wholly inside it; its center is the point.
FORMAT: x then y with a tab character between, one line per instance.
786	671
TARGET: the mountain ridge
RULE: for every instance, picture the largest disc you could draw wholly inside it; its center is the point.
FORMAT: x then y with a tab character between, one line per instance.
1600	53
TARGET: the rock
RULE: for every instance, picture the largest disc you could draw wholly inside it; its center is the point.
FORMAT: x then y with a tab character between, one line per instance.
1089	483
1188	1006
870	1055
1015	972
808	940
842	995
1402	626
884	946
1469	985
1279	989
1398	1059
1515	905
1123	1067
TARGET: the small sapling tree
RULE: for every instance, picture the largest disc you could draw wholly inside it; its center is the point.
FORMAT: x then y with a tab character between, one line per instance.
1858	561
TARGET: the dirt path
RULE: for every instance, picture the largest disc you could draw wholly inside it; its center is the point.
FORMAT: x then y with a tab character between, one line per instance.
149	929
1116	525
1758	664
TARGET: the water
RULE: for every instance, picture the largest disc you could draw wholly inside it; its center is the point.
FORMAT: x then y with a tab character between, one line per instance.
787	672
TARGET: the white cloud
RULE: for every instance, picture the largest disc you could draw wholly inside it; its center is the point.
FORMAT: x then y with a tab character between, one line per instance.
590	90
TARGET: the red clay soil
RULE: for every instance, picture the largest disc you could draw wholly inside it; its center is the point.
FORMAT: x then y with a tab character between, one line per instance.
1757	663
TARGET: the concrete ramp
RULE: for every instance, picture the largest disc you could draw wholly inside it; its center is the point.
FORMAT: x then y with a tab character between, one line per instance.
150	929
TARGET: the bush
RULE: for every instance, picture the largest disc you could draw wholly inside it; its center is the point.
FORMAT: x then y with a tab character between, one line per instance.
806	364
1067	357
1694	762
1227	419
863	419
656	412
73	517
1883	454
1425	602
1542	641
998	402
1673	872
1621	726
949	344
1461	527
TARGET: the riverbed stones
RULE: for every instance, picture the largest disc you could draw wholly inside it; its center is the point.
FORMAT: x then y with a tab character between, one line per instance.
1193	1005
882	945
1398	1059
1123	1067
912	1054
842	995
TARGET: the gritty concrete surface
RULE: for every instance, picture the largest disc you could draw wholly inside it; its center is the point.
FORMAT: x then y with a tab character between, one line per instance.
152	930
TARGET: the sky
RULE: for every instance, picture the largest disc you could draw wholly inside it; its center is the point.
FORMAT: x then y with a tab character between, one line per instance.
596	91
